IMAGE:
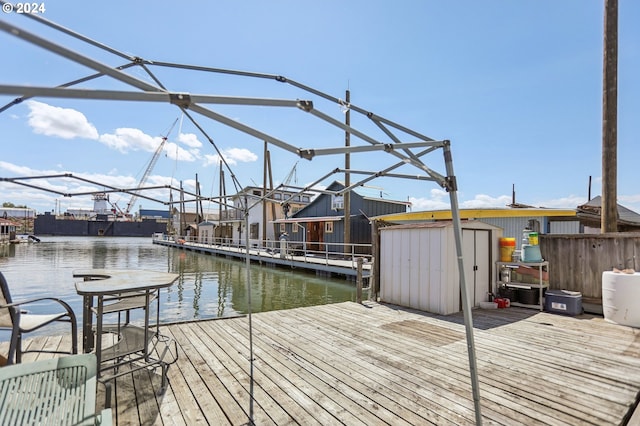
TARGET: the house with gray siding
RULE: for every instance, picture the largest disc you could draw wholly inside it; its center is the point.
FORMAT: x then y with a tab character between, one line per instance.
321	224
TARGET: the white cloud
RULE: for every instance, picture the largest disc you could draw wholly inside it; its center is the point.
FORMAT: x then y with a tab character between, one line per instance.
15	169
127	139
64	123
52	190
240	154
439	200
210	159
190	140
69	123
569	202
176	152
232	156
483	201
130	139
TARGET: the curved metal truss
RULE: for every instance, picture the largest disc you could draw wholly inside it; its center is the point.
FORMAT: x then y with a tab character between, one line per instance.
394	146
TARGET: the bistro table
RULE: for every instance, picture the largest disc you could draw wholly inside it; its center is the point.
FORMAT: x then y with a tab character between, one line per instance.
117	292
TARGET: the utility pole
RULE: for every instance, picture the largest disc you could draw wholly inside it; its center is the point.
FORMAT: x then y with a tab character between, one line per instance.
264	191
609	208
222	200
347	177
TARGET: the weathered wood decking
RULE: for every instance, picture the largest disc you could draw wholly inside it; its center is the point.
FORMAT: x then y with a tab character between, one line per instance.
366	365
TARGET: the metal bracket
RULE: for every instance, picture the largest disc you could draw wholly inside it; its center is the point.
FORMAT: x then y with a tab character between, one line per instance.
307	154
183	100
451	183
306	106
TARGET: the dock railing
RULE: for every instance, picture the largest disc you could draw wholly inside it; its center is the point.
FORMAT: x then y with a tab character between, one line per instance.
307	251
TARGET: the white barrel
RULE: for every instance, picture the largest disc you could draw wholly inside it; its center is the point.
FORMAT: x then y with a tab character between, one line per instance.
621	298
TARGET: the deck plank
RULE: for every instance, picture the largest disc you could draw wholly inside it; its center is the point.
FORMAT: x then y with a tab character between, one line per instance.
280	412
372	388
443	374
510	362
493	371
332	402
351	363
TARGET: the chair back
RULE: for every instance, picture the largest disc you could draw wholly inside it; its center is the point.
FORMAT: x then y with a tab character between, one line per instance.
8	315
60	391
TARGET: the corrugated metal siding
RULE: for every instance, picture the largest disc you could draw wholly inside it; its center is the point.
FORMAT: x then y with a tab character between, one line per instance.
565	227
513	227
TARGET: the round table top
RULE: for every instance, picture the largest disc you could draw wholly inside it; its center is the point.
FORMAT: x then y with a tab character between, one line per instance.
114	281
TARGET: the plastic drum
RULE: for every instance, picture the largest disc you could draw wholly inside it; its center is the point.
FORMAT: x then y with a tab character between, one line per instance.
621	298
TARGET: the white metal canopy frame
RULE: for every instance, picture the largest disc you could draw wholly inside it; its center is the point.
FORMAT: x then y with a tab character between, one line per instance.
187	102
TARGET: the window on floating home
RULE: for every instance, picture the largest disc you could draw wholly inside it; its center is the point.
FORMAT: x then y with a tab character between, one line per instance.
294	227
296	198
305	198
283	227
277	196
254	230
328	227
337	202
257	192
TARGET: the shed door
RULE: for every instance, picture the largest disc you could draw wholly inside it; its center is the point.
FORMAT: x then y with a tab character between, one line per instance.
476	249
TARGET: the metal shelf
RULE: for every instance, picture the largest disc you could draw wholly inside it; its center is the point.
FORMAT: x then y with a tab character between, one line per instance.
523	285
541	283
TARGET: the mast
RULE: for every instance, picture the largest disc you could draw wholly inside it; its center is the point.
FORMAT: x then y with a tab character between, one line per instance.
264	191
347	177
273	205
198	203
183	219
222	200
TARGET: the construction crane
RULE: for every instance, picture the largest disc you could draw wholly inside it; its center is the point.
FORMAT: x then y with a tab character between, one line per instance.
292	175
286	207
150	166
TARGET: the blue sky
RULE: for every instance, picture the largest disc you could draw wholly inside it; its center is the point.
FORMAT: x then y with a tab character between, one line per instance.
515	85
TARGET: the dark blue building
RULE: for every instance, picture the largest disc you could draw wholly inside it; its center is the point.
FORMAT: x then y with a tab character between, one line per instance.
320	225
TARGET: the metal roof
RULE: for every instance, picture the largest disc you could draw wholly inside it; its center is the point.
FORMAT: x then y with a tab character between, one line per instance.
475	214
593	210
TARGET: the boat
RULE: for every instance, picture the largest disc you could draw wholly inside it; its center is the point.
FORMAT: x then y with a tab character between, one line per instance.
102	220
24	239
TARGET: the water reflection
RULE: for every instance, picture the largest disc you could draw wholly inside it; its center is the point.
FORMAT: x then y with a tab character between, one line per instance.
208	286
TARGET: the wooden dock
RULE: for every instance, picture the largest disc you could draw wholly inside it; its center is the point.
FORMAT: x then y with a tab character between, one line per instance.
375	364
313	261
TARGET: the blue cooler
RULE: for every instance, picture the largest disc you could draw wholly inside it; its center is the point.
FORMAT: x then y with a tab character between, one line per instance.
563	302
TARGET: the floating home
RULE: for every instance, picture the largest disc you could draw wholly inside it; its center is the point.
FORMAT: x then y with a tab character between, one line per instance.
321	224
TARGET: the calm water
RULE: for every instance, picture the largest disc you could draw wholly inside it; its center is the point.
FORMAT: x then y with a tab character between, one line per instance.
208	287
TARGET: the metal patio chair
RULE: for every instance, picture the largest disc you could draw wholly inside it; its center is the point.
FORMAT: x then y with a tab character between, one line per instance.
14	318
56	391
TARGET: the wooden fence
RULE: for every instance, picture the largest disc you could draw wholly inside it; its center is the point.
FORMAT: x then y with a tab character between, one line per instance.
576	262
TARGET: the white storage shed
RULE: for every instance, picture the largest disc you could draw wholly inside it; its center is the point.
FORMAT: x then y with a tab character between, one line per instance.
419	267
206	231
